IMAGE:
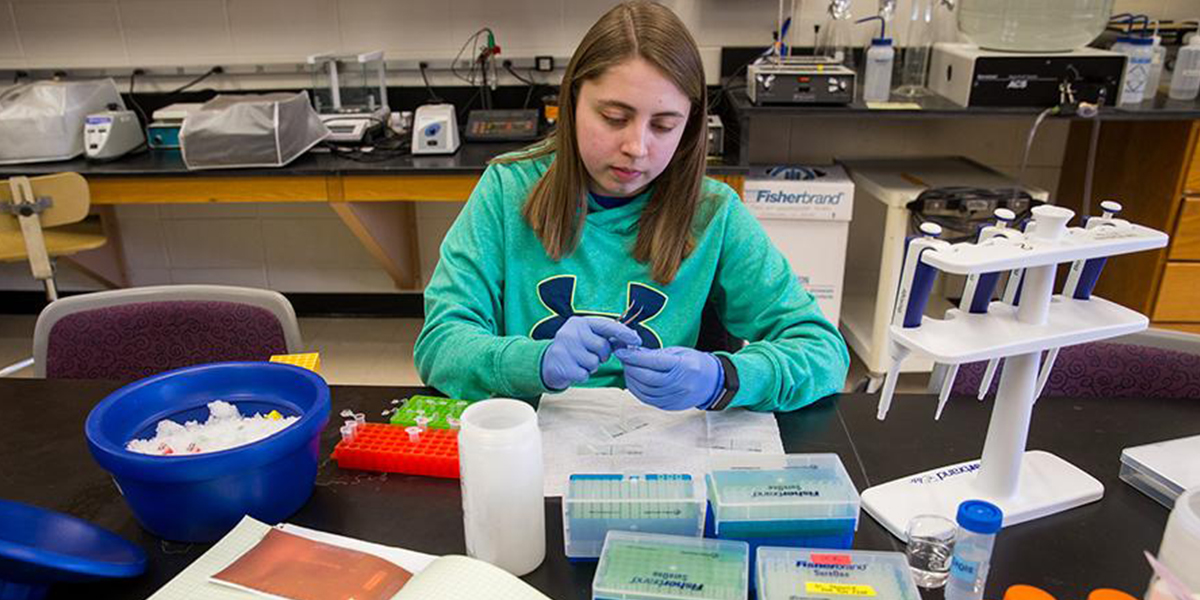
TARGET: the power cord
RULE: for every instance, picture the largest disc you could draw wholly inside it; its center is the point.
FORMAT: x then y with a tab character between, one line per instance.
213	71
958	209
433	97
137	108
508	66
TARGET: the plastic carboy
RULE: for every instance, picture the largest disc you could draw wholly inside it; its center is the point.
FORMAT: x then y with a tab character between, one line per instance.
1033	25
500	464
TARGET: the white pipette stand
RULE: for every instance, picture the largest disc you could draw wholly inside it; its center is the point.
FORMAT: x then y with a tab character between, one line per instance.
1026	485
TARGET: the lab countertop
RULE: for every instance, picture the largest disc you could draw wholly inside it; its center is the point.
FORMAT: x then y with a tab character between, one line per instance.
471	159
44	461
932	106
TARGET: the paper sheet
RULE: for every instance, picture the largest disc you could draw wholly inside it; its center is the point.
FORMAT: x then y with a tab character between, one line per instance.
608	430
193	582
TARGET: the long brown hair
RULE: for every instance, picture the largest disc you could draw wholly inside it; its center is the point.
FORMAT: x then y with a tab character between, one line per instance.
557	205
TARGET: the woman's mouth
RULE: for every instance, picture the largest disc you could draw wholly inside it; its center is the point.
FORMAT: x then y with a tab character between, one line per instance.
624	175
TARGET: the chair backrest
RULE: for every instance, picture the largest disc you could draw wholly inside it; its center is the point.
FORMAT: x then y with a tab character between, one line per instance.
132	333
68	195
1151	364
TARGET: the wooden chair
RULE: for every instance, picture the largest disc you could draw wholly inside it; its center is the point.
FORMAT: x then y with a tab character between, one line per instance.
42	218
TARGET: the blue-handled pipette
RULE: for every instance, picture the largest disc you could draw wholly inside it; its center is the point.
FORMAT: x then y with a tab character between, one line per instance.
1081	281
977	295
916	283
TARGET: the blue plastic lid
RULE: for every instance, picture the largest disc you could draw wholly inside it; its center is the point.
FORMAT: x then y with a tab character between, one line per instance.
881	41
980	516
1141	41
39	546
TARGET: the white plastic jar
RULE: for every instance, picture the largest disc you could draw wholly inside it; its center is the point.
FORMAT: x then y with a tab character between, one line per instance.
500	466
1180	549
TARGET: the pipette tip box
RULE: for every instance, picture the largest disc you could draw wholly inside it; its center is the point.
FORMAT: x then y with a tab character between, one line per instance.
649	503
802	500
646	566
1163	470
307	360
788	573
382	447
437	410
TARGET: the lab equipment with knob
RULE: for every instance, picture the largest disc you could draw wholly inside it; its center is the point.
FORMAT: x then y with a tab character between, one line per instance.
1024	485
800	80
435	130
111	134
1027	53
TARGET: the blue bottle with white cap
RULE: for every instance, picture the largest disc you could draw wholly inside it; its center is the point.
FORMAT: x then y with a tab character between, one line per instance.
978	522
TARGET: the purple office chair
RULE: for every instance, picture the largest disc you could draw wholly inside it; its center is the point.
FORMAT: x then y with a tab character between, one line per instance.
1152	364
131	333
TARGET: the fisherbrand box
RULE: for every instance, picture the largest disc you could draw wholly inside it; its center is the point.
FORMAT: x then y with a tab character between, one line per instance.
823	193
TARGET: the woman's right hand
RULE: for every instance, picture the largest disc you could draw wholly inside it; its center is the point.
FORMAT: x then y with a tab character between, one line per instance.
581	345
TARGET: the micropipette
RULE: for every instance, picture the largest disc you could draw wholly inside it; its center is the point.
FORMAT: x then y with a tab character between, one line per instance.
916	282
977	295
1012	295
1081	280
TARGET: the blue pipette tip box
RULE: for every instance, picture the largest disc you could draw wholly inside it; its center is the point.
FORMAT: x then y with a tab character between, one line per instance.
650	503
802	500
645	566
816	573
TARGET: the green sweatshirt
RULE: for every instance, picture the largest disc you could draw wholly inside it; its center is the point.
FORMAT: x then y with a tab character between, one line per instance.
496	299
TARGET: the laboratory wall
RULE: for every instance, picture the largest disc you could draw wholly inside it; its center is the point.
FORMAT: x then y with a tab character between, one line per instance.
270	245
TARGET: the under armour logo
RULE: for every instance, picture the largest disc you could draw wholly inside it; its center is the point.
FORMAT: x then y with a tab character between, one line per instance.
557	294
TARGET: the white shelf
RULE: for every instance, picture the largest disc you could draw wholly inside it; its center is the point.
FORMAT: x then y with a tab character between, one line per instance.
1003	254
965	337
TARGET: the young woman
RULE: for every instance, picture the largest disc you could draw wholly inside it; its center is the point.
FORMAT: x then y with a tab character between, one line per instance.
587	259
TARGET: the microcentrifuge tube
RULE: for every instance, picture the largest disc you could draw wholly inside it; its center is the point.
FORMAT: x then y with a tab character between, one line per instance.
348	431
422	422
414	433
453	423
360	418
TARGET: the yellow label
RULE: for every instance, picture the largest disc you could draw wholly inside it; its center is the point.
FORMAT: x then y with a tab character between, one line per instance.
274	415
838	589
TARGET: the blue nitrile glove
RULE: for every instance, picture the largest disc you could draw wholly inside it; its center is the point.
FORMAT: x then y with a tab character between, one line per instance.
674	378
581	345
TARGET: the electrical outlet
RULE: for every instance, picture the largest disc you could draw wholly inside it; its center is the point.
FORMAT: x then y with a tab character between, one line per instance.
544	64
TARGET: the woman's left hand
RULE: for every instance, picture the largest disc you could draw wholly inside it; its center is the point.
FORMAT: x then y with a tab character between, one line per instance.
674	378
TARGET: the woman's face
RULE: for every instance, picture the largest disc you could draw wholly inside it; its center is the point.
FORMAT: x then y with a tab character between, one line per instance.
628	123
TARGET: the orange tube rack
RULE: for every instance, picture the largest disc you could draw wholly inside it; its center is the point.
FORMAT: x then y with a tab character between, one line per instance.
378	447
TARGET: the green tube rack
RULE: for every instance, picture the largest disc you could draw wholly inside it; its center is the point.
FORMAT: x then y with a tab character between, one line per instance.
438	410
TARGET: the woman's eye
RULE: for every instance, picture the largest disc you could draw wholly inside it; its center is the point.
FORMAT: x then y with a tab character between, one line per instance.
614	120
663	128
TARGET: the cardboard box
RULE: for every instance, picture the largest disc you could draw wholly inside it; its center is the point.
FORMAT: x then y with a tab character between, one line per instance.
806	213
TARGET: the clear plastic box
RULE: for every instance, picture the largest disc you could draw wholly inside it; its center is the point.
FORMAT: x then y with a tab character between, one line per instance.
1163	470
646	566
787	573
790	500
650	503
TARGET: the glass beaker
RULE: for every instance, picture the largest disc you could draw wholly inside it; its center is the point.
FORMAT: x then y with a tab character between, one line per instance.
1033	25
930	545
916	45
